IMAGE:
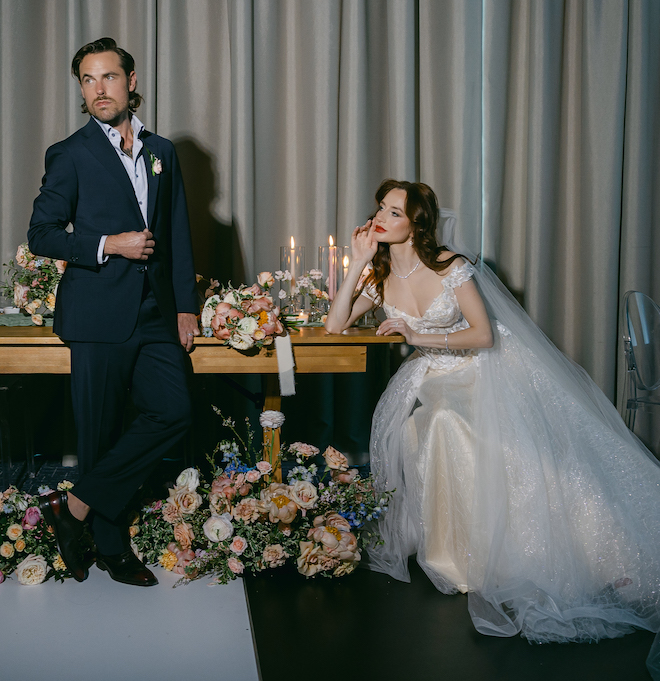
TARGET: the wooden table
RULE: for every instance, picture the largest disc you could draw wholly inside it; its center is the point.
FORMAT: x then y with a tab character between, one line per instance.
37	350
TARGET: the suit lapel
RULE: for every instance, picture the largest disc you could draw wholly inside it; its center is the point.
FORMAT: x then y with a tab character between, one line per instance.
149	150
101	148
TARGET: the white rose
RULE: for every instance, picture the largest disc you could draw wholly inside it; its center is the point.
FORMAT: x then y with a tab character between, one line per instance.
241	341
304	494
248	325
218	528
209	310
32	570
271	418
188	479
230	298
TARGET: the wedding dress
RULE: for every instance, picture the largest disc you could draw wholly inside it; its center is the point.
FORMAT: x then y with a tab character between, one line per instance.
516	481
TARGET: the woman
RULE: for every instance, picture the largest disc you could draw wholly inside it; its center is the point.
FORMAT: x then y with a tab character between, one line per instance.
517	482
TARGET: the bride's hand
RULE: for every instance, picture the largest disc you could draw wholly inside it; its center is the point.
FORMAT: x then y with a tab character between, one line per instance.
396	325
363	244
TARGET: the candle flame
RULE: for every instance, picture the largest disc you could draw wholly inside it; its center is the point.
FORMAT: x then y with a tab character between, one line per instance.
293	243
330	241
345	261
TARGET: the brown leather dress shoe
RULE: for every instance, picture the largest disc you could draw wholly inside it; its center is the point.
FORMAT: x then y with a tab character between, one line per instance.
68	532
127	568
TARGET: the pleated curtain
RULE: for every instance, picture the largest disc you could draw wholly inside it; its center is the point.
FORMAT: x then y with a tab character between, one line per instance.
537	121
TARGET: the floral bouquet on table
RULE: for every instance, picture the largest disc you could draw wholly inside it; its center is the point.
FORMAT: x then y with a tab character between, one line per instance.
28	548
244	317
32	282
242	520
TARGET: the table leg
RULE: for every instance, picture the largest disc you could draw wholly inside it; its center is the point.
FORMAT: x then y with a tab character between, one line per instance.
272	400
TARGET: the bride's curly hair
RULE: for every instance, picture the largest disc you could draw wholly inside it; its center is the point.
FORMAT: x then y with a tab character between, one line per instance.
423	212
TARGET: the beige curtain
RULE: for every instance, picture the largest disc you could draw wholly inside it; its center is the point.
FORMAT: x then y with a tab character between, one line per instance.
536	120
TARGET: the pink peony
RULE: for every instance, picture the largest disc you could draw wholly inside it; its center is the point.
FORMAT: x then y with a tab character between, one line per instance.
225	486
184	558
345	477
235	314
238	545
235	566
338	521
260	303
264	467
184	535
246	510
254	290
31	518
273	326
253	475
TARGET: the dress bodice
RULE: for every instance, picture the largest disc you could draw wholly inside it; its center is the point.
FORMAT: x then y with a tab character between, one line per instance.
444	313
442	316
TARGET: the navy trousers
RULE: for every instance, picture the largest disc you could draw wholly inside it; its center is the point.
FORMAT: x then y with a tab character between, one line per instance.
155	369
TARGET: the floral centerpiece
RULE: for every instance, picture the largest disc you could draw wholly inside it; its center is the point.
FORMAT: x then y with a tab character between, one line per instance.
244	317
309	285
242	520
27	544
32	282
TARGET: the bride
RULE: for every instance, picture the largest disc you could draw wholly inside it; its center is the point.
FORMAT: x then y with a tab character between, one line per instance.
516	480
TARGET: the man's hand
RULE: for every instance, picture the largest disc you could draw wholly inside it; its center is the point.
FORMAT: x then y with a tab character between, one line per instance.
188	329
131	245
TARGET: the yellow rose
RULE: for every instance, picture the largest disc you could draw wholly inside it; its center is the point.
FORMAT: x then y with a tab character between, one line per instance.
58	564
14	531
168	560
20	545
7	550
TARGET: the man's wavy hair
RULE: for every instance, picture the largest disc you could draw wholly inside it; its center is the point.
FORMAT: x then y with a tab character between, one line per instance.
422	210
125	59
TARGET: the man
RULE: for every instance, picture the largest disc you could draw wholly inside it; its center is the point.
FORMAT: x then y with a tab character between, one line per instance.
126	304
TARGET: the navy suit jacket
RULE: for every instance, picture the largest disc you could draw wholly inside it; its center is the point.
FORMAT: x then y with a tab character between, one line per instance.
87	185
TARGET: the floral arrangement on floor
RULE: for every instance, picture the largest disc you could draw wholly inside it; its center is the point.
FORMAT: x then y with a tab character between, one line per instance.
243	520
27	544
32	282
245	317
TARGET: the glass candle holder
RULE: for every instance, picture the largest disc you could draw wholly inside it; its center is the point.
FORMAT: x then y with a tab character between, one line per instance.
329	264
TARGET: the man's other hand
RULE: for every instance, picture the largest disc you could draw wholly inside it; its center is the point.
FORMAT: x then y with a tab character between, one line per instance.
188	329
131	245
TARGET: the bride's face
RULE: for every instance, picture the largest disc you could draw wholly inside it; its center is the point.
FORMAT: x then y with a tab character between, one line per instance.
391	222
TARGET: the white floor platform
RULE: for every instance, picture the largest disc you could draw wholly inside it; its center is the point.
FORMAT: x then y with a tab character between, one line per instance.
103	631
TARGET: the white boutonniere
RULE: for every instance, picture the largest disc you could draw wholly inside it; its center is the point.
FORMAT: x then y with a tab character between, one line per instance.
156	164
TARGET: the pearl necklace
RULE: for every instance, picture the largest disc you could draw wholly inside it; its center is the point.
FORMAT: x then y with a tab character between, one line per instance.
419	262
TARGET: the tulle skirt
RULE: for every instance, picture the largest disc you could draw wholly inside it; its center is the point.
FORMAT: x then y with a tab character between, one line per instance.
517	482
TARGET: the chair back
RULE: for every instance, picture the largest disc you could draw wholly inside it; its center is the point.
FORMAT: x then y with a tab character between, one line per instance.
642	328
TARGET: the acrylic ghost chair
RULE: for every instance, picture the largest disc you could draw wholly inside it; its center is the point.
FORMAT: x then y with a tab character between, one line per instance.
640	328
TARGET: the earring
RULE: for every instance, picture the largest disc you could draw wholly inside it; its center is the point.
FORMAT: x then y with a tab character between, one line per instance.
410	242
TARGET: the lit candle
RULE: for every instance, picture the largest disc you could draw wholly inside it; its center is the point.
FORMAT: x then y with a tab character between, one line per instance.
303	317
293	261
345	263
332	269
